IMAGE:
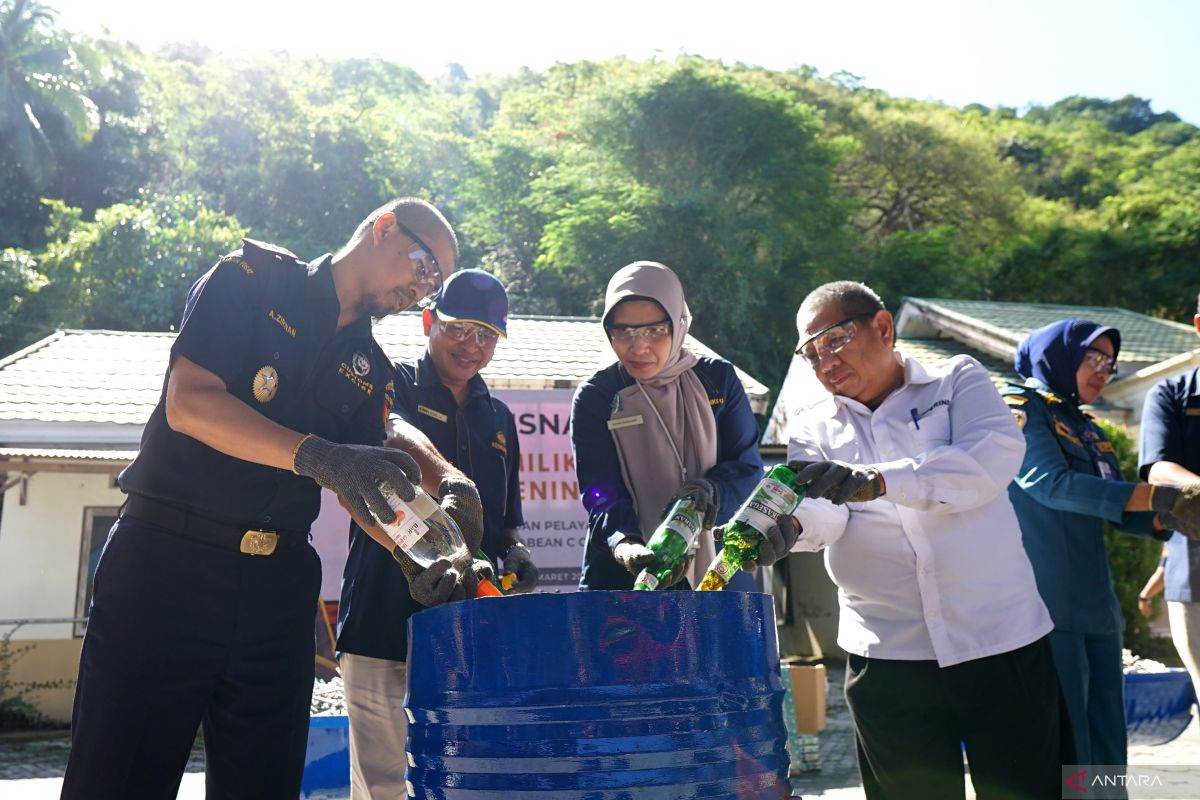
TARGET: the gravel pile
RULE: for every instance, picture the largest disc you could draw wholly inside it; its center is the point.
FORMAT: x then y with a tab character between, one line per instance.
328	698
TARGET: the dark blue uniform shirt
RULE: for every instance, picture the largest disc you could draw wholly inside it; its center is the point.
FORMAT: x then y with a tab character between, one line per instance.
1069	484
738	469
1171	432
480	438
265	323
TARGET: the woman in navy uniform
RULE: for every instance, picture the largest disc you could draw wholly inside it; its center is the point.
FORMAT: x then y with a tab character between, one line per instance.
659	423
1069	485
204	596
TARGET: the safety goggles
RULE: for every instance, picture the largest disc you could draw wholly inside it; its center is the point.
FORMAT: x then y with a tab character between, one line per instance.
462	331
628	334
830	339
1101	362
426	270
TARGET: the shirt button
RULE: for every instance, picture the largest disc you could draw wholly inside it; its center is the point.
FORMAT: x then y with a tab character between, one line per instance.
345	409
276	355
267	518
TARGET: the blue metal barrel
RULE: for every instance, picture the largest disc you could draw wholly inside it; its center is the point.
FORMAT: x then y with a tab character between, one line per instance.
597	696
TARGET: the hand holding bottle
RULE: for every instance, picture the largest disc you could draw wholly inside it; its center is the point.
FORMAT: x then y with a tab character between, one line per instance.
632	554
777	542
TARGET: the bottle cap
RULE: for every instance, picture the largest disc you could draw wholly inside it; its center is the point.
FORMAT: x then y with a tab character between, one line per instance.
486	589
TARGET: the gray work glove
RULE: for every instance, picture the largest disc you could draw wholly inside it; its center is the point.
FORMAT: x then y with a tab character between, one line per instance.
838	481
704	493
460	499
633	555
1178	507
439	584
519	562
776	544
355	472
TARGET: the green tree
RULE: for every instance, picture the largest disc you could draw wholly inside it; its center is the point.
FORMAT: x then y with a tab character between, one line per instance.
39	86
130	269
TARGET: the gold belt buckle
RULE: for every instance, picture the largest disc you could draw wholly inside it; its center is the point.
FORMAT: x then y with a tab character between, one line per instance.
259	543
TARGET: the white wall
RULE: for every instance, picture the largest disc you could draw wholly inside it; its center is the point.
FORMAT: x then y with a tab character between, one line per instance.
40	547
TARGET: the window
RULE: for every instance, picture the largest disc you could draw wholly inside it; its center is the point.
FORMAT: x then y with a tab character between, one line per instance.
96	524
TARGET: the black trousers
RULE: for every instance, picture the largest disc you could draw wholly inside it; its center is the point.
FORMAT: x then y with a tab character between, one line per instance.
184	634
913	719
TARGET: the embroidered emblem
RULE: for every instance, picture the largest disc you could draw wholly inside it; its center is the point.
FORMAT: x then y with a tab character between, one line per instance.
1105	447
362	365
499	444
347	372
1016	399
265	384
501	438
1062	430
241	262
1020	416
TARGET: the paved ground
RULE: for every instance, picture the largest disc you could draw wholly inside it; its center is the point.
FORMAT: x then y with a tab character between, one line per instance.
31	769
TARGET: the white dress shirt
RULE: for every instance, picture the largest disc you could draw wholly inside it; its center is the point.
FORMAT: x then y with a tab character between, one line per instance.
934	569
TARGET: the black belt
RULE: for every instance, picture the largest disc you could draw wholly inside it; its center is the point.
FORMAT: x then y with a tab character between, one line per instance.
227	535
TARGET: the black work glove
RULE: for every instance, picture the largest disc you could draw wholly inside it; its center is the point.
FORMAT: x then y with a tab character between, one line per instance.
1178	507
519	562
633	555
838	481
776	544
356	471
704	493
460	499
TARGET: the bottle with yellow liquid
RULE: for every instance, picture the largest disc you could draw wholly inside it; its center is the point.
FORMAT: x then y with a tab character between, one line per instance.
776	495
671	542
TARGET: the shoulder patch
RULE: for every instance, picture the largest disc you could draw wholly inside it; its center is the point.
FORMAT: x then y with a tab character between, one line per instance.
1016	399
1020	416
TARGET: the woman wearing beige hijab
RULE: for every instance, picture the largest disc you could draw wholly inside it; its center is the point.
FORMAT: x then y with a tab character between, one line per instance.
658	423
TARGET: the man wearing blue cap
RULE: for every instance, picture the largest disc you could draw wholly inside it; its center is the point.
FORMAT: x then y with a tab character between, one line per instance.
443	395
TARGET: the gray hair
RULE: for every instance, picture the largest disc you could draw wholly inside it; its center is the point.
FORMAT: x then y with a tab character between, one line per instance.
851	297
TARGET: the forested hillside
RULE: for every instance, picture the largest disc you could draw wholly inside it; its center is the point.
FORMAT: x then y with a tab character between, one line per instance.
126	174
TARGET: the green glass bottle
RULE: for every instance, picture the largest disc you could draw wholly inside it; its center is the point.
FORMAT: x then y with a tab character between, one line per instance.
775	495
671	542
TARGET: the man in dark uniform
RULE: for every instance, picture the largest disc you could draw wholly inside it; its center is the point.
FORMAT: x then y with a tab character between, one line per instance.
442	395
205	593
1170	453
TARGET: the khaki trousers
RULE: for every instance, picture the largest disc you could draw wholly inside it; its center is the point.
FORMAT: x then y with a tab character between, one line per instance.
1185	633
375	691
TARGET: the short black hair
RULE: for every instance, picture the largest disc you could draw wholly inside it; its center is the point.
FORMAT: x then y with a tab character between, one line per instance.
852	297
420	215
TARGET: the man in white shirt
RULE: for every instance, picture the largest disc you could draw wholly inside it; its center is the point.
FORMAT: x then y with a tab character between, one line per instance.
940	614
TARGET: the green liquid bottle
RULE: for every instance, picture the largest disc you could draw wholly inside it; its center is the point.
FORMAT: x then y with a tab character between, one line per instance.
671	542
774	496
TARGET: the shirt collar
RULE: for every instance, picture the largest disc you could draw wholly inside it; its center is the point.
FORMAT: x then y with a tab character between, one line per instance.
322	294
427	376
914	374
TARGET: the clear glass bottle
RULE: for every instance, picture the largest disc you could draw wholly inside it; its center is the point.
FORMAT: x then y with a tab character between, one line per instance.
775	495
671	542
424	531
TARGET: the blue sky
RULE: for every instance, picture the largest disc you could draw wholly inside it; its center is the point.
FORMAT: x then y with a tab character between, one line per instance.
1013	53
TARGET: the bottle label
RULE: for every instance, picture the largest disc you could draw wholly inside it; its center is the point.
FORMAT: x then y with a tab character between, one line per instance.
725	571
770	501
408	528
648	580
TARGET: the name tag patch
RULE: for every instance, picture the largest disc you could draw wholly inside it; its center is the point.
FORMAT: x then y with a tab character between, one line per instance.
431	412
625	422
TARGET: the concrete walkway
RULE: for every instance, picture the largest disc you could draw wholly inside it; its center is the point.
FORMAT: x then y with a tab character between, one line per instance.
32	768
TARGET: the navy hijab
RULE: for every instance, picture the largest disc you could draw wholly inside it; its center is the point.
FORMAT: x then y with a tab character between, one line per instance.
1052	354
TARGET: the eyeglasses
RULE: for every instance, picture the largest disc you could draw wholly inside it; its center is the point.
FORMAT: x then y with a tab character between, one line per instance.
628	334
461	331
1101	362
830	339
426	270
